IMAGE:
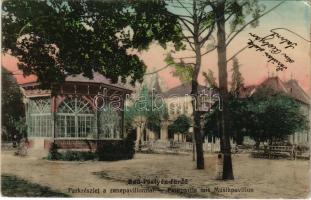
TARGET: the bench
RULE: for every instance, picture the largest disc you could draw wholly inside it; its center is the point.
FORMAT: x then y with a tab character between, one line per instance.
278	151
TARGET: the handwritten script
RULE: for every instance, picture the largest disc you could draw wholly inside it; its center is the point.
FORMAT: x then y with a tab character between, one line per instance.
274	47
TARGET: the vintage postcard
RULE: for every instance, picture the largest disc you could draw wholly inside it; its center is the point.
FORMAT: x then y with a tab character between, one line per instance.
155	98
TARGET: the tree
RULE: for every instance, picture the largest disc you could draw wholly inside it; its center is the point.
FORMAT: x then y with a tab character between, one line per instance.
265	116
12	106
181	125
273	116
238	117
145	111
235	104
53	39
197	20
233	13
210	78
237	81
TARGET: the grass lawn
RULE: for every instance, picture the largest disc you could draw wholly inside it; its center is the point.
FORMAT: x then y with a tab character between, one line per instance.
12	186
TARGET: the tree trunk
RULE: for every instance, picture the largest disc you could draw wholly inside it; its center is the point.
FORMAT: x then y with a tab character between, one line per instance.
193	148
197	115
223	89
194	92
257	144
197	127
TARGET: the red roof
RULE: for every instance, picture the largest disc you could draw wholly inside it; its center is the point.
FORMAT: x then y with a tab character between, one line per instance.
291	87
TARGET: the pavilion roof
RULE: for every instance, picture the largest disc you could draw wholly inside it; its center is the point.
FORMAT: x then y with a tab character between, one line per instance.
97	78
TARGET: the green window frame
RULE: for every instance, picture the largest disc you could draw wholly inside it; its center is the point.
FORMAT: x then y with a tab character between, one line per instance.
39	118
75	119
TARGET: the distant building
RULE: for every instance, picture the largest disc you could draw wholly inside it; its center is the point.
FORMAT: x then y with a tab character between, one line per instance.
178	102
294	90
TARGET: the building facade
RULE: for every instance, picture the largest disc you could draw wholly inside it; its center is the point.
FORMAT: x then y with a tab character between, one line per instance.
178	101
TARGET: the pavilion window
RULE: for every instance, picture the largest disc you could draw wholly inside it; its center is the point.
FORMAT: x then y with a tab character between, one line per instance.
110	124
84	125
39	117
75	119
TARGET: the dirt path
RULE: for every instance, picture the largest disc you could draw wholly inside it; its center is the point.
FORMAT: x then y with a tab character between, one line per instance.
62	175
255	178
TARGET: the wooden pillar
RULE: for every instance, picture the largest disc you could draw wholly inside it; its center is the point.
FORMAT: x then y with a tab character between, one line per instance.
27	114
164	131
138	136
123	133
53	116
138	133
97	126
150	135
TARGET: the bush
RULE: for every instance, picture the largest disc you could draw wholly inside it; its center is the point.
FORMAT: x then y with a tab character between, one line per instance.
130	144
78	156
22	148
117	150
71	155
53	152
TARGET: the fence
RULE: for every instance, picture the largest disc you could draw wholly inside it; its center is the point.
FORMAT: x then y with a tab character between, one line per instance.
175	146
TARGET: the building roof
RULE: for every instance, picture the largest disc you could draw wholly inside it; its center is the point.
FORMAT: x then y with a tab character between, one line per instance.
297	92
291	87
182	90
97	78
247	91
275	83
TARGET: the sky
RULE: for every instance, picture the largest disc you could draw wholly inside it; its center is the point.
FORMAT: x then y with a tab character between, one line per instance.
293	15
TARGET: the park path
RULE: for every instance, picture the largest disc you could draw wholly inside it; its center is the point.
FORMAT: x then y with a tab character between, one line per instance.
62	175
267	178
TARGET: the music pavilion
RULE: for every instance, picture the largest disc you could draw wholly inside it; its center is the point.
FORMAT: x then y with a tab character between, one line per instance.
70	116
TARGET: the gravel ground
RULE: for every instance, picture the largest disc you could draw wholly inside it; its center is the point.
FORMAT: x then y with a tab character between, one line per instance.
254	178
